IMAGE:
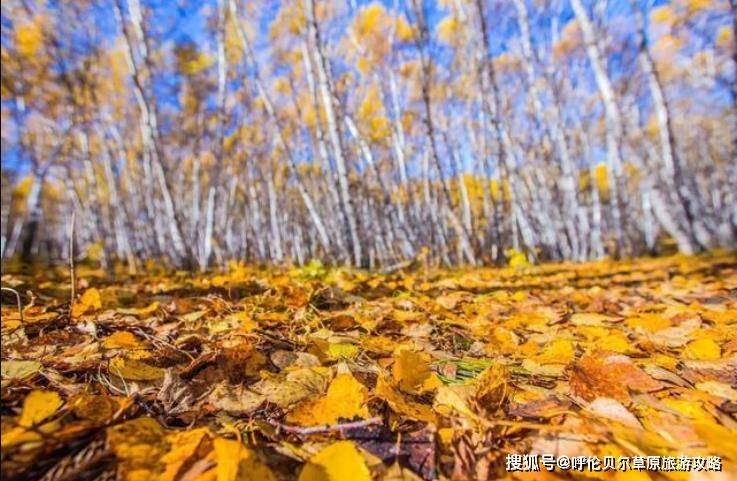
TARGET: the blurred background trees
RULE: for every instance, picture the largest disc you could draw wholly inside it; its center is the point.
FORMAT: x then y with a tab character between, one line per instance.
469	131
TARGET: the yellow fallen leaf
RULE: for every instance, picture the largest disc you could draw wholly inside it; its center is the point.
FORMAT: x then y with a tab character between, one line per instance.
12	369
340	461
615	342
122	340
400	404
451	300
344	350
133	370
346	399
139	446
235	462
38	406
244	321
20	435
648	322
719	389
553	370
703	349
184	446
690	409
719	438
299	384
454	398
89	302
407	316
491	386
412	372
141	311
503	340
560	351
665	361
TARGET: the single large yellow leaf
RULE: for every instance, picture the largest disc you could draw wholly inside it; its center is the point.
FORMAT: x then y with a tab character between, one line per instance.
340	461
141	311
703	349
648	322
12	369
346	398
560	351
122	340
184	446
90	301
38	406
139	446
133	370
339	350
412	372
235	462
616	342
400	404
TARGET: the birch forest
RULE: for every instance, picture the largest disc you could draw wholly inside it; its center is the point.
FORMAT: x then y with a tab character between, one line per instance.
367	134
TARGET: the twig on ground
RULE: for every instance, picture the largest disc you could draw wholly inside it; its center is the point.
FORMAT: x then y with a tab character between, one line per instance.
18	299
325	428
158	340
71	259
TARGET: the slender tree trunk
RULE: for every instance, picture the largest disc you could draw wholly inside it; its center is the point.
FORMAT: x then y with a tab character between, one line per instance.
614	129
149	123
572	211
491	95
324	85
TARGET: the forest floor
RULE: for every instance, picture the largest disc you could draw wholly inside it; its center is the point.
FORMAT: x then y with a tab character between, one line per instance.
324	374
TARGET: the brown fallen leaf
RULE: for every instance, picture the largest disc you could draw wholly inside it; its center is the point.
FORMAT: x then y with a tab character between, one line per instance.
609	375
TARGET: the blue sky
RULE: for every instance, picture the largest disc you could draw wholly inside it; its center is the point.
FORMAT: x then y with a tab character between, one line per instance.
185	21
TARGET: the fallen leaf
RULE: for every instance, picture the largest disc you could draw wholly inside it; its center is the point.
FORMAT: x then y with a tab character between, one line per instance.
560	351
718	389
345	399
340	461
412	372
237	463
38	406
400	404
704	349
609	408
122	340
133	370
13	369
614	375
89	302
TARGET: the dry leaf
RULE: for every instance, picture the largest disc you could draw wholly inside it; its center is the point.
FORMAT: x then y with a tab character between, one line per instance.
339	461
89	302
133	370
345	399
411	372
600	375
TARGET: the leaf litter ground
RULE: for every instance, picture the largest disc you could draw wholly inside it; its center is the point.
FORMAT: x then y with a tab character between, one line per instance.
329	374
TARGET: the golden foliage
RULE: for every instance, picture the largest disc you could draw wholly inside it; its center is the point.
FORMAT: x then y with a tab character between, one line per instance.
617	358
29	37
336	462
449	29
